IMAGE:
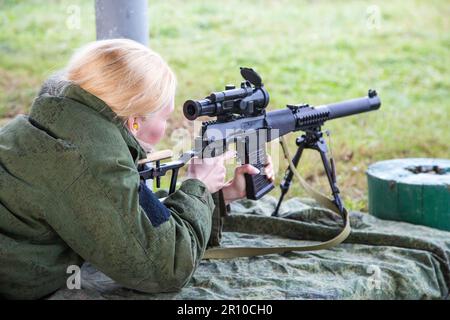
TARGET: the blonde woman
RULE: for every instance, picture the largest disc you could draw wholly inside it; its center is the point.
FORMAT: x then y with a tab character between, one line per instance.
70	190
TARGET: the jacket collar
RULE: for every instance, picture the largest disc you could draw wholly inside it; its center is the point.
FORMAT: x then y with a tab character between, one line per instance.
55	86
75	92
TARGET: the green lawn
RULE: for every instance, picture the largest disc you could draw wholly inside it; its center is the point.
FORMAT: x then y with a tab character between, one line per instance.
306	51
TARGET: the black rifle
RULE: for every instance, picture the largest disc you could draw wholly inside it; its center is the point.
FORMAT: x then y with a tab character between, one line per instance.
242	119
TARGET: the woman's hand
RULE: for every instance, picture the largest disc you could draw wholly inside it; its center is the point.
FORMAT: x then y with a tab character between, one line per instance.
235	189
210	171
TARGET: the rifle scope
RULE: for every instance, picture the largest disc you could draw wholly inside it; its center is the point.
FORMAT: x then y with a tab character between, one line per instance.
248	100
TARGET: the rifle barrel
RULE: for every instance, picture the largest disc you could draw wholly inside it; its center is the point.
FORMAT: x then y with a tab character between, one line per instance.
354	106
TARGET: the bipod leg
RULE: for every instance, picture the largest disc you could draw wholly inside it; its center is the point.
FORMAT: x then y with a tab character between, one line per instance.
288	175
330	171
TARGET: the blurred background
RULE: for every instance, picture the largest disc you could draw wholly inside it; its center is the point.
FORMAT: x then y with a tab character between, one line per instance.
314	52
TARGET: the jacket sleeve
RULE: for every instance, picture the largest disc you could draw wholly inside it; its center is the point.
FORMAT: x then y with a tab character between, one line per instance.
101	219
221	210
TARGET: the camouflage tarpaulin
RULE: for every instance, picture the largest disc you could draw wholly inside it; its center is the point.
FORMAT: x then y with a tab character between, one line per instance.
380	260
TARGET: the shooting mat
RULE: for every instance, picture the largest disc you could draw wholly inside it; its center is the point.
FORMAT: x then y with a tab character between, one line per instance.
380	260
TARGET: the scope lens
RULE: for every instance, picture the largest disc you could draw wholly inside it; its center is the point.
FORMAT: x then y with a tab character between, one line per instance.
190	109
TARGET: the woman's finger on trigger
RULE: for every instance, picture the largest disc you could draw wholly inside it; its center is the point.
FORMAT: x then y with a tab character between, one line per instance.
269	173
251	169
267	168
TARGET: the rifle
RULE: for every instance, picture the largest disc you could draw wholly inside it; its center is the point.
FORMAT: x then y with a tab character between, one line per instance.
241	119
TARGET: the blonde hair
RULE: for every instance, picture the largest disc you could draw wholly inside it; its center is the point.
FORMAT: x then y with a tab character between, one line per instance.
130	78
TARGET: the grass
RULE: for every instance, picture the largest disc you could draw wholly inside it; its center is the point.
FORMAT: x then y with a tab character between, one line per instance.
306	51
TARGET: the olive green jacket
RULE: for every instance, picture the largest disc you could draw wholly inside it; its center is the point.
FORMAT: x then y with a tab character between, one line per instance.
69	192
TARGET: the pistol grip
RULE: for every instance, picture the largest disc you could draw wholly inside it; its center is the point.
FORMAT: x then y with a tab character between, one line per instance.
257	185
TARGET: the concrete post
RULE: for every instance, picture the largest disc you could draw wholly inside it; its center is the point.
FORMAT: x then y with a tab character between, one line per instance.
122	19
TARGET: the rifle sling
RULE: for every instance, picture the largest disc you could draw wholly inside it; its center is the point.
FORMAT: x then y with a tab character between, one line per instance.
235	252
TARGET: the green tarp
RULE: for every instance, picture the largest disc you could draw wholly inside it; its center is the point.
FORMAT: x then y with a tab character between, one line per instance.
380	260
